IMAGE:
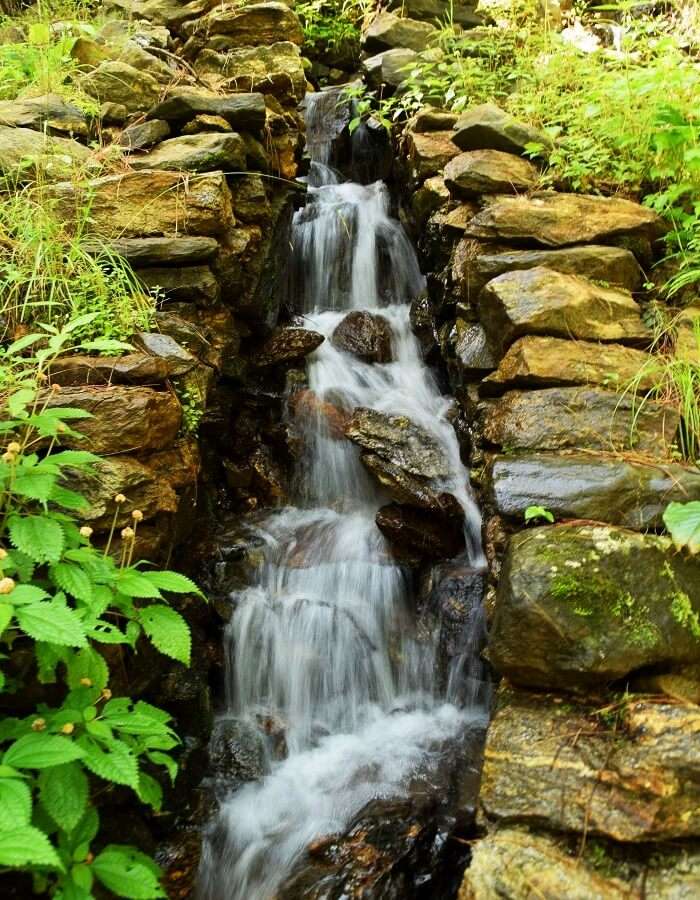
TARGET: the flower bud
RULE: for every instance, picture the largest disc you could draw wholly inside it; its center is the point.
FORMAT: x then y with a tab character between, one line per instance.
55	388
127	534
137	515
3	553
7	585
120	498
38	724
86	682
68	728
86	531
14	447
106	694
9	457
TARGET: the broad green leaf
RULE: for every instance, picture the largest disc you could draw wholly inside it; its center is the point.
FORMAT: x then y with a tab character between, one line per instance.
35	485
683	523
52	622
64	794
168	631
163	759
48	656
136	584
76	459
6	613
15	803
41	751
27	846
19	401
40	537
86	830
150	792
128	873
538	512
73	579
173	582
117	763
27	593
87	663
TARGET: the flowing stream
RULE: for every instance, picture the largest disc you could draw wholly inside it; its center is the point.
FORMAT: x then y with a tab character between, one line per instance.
325	640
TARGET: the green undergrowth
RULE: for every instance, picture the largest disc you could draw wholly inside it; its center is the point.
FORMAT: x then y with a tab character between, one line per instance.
333	28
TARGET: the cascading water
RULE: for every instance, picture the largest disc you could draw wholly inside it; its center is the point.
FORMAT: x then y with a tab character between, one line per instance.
325	640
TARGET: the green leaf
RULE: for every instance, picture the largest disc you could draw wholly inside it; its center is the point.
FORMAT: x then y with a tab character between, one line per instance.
28	593
163	759
538	512
27	846
40	537
73	579
683	523
87	663
168	631
117	763
41	751
35	485
150	792
128	873
15	803
173	582
135	584
19	401
6	613
52	622
48	656
64	794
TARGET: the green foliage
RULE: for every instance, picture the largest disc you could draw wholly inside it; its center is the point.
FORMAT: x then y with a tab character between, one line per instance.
683	523
61	598
533	513
332	26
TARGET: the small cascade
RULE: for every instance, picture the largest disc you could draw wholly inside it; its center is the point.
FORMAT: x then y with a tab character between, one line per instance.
326	640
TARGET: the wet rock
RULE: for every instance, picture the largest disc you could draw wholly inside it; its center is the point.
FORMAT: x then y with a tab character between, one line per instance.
245	112
310	408
179	859
365	335
638	782
409	489
49	112
541	301
585	486
389	31
488	127
288	345
557	220
580	417
22	150
268	478
424	326
144	134
429	118
489	172
428	198
536	362
612	265
204	152
236	752
124	419
158	251
118	82
148	204
192	284
450	224
133	368
388	68
429	153
275	70
472	355
210	333
417	534
398	440
250	203
164	347
258	24
205	122
596	603
462	12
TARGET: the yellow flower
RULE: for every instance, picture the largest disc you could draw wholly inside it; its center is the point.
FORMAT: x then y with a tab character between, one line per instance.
120	498
68	728
7	585
137	515
38	724
127	534
86	531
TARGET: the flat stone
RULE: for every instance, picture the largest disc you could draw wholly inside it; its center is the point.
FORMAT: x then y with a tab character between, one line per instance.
614	266
488	127
390	67
22	150
144	134
365	335
172	13
399	440
586	486
288	345
544	302
431	196
430	118
596	604
134	55
132	368
118	82
113	113
206	152
429	153
191	284
167	348
412	490
258	24
275	70
587	418
242	111
205	122
463	12
489	172
537	362
162	251
149	204
556	220
470	354
639	783
417	534
389	31
49	112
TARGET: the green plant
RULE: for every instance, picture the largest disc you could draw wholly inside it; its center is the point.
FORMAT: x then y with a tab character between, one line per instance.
533	513
61	600
333	26
682	521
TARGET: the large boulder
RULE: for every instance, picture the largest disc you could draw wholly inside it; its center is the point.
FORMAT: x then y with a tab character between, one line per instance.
365	335
254	25
585	486
559	766
143	135
462	12
418	534
587	418
23	151
428	153
388	31
288	345
163	251
275	70
398	440
537	362
207	152
544	302
595	603
411	490
245	111
488	127
118	82
489	172
50	113
191	284
388	68
132	368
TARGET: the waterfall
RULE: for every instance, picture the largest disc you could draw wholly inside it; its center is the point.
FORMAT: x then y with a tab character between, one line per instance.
325	640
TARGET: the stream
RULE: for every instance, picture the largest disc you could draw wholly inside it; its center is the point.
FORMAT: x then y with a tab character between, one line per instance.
326	640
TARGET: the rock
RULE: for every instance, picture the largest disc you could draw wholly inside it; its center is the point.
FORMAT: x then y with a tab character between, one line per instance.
135	55
411	490
255	25
365	335
596	603
537	362
237	752
245	112
544	302
398	440
489	172
309	408
687	345
462	12
148	204
164	347
472	355
160	251
118	82
635	783
389	68
488	127
431	196
389	31
250	203
612	265
417	534
275	70
144	134
580	417
172	13
288	345
113	113
49	112
23	151
205	122
205	152
586	486
192	284
429	153
124	419
429	118
133	368
557	220
210	333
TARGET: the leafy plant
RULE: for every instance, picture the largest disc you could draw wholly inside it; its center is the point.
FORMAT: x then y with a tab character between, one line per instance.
683	523
332	26
533	513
